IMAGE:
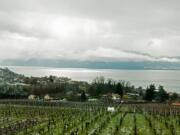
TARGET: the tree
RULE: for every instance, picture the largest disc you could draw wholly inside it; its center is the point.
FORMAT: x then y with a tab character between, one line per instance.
150	92
119	89
174	96
83	96
161	95
99	80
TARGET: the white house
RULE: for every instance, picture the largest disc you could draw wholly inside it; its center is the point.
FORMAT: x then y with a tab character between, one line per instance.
115	96
47	97
32	97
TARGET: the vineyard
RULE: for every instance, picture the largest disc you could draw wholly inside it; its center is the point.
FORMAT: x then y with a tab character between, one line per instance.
68	118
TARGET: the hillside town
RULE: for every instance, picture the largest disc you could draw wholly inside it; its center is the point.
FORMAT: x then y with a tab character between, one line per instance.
52	88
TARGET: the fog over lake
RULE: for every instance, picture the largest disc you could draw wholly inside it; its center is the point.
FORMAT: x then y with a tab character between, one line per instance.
168	78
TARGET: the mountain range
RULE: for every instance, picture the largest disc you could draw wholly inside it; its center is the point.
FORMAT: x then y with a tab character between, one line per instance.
138	65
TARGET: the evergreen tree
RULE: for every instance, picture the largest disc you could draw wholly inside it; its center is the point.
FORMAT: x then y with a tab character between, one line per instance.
161	95
150	93
83	96
174	97
119	89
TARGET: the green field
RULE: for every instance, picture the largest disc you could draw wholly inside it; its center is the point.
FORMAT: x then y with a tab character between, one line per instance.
89	119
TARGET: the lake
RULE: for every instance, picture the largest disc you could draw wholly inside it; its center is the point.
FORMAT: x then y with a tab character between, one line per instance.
170	79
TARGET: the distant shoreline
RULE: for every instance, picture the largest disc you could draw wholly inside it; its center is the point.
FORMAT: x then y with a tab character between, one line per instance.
168	78
43	67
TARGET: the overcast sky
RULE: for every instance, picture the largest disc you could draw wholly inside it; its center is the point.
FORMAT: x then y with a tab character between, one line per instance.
115	30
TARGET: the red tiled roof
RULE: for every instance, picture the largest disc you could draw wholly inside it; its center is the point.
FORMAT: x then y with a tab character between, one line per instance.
176	104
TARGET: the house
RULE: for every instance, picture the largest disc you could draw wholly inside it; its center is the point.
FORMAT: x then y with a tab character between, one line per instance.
79	94
47	97
111	97
32	97
115	96
133	94
64	99
176	104
92	99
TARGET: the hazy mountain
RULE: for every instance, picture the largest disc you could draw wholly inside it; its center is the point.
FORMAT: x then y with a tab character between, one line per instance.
92	64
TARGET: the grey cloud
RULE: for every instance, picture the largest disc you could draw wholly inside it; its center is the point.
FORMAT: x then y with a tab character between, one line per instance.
112	54
14	24
84	29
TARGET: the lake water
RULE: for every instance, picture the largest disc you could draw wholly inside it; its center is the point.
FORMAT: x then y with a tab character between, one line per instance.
168	78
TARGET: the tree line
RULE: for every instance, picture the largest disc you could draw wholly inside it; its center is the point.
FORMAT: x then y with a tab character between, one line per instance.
62	87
